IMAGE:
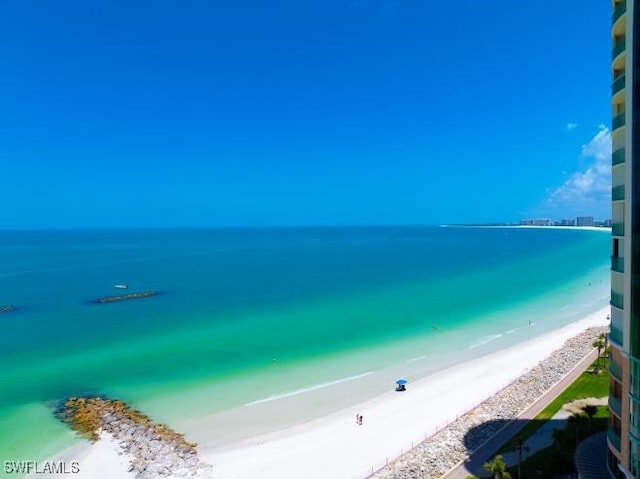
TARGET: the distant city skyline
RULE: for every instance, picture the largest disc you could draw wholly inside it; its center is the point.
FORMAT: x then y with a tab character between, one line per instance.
130	114
575	221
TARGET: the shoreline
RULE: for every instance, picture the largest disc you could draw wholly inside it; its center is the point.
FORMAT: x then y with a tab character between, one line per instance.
334	445
606	229
393	422
447	453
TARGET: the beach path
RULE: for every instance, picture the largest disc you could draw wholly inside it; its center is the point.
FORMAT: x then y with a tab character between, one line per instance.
473	465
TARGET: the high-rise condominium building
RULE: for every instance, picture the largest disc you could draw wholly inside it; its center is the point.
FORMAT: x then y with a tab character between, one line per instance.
585	221
623	436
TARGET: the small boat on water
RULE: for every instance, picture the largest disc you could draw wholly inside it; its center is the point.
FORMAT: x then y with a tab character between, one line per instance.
121	286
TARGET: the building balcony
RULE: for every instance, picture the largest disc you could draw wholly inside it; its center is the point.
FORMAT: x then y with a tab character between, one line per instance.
618	47
618	84
615	369
633	429
617	157
617	264
615	337
615	406
614	439
617	229
618	11
634	390
617	300
617	121
617	193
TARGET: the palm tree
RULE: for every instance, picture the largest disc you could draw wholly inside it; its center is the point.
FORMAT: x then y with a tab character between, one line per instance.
520	448
600	344
497	468
590	410
575	422
607	349
605	338
557	435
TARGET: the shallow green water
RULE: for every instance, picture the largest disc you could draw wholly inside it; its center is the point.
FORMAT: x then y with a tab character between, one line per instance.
328	304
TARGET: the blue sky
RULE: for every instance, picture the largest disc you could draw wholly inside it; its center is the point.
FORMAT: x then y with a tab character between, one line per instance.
209	113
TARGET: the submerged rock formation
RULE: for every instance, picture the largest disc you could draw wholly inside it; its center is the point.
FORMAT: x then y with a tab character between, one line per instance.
155	450
125	297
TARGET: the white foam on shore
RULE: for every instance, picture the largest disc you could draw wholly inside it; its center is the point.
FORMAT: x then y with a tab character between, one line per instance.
485	340
605	229
308	389
335	446
419	358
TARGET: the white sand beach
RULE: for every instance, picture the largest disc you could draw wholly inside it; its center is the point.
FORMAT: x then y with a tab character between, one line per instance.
100	459
604	229
335	445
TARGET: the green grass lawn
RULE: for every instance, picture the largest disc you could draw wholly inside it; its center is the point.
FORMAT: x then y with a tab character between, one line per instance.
586	385
559	457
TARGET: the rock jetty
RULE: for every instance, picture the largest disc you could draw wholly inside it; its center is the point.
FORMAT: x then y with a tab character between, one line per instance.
435	456
155	451
125	297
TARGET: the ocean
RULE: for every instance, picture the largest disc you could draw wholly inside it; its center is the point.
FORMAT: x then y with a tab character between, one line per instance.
285	324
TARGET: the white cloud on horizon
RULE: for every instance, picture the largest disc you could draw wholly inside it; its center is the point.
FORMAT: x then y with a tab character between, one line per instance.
572	126
587	191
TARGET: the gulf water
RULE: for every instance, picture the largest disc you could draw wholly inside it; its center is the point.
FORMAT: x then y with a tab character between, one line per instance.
268	318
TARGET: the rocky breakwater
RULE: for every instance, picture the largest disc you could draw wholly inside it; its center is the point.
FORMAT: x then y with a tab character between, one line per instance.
438	454
155	451
126	297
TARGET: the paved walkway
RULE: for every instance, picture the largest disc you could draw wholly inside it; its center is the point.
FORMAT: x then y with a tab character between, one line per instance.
473	464
541	439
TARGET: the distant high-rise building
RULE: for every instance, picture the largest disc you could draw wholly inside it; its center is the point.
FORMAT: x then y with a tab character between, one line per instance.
585	221
623	435
568	222
536	222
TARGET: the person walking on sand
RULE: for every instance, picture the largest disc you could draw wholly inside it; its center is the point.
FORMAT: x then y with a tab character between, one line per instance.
360	420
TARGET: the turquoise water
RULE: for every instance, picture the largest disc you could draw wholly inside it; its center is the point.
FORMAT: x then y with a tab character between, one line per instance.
267	313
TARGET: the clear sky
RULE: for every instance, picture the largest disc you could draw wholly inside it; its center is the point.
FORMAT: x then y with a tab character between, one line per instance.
210	113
